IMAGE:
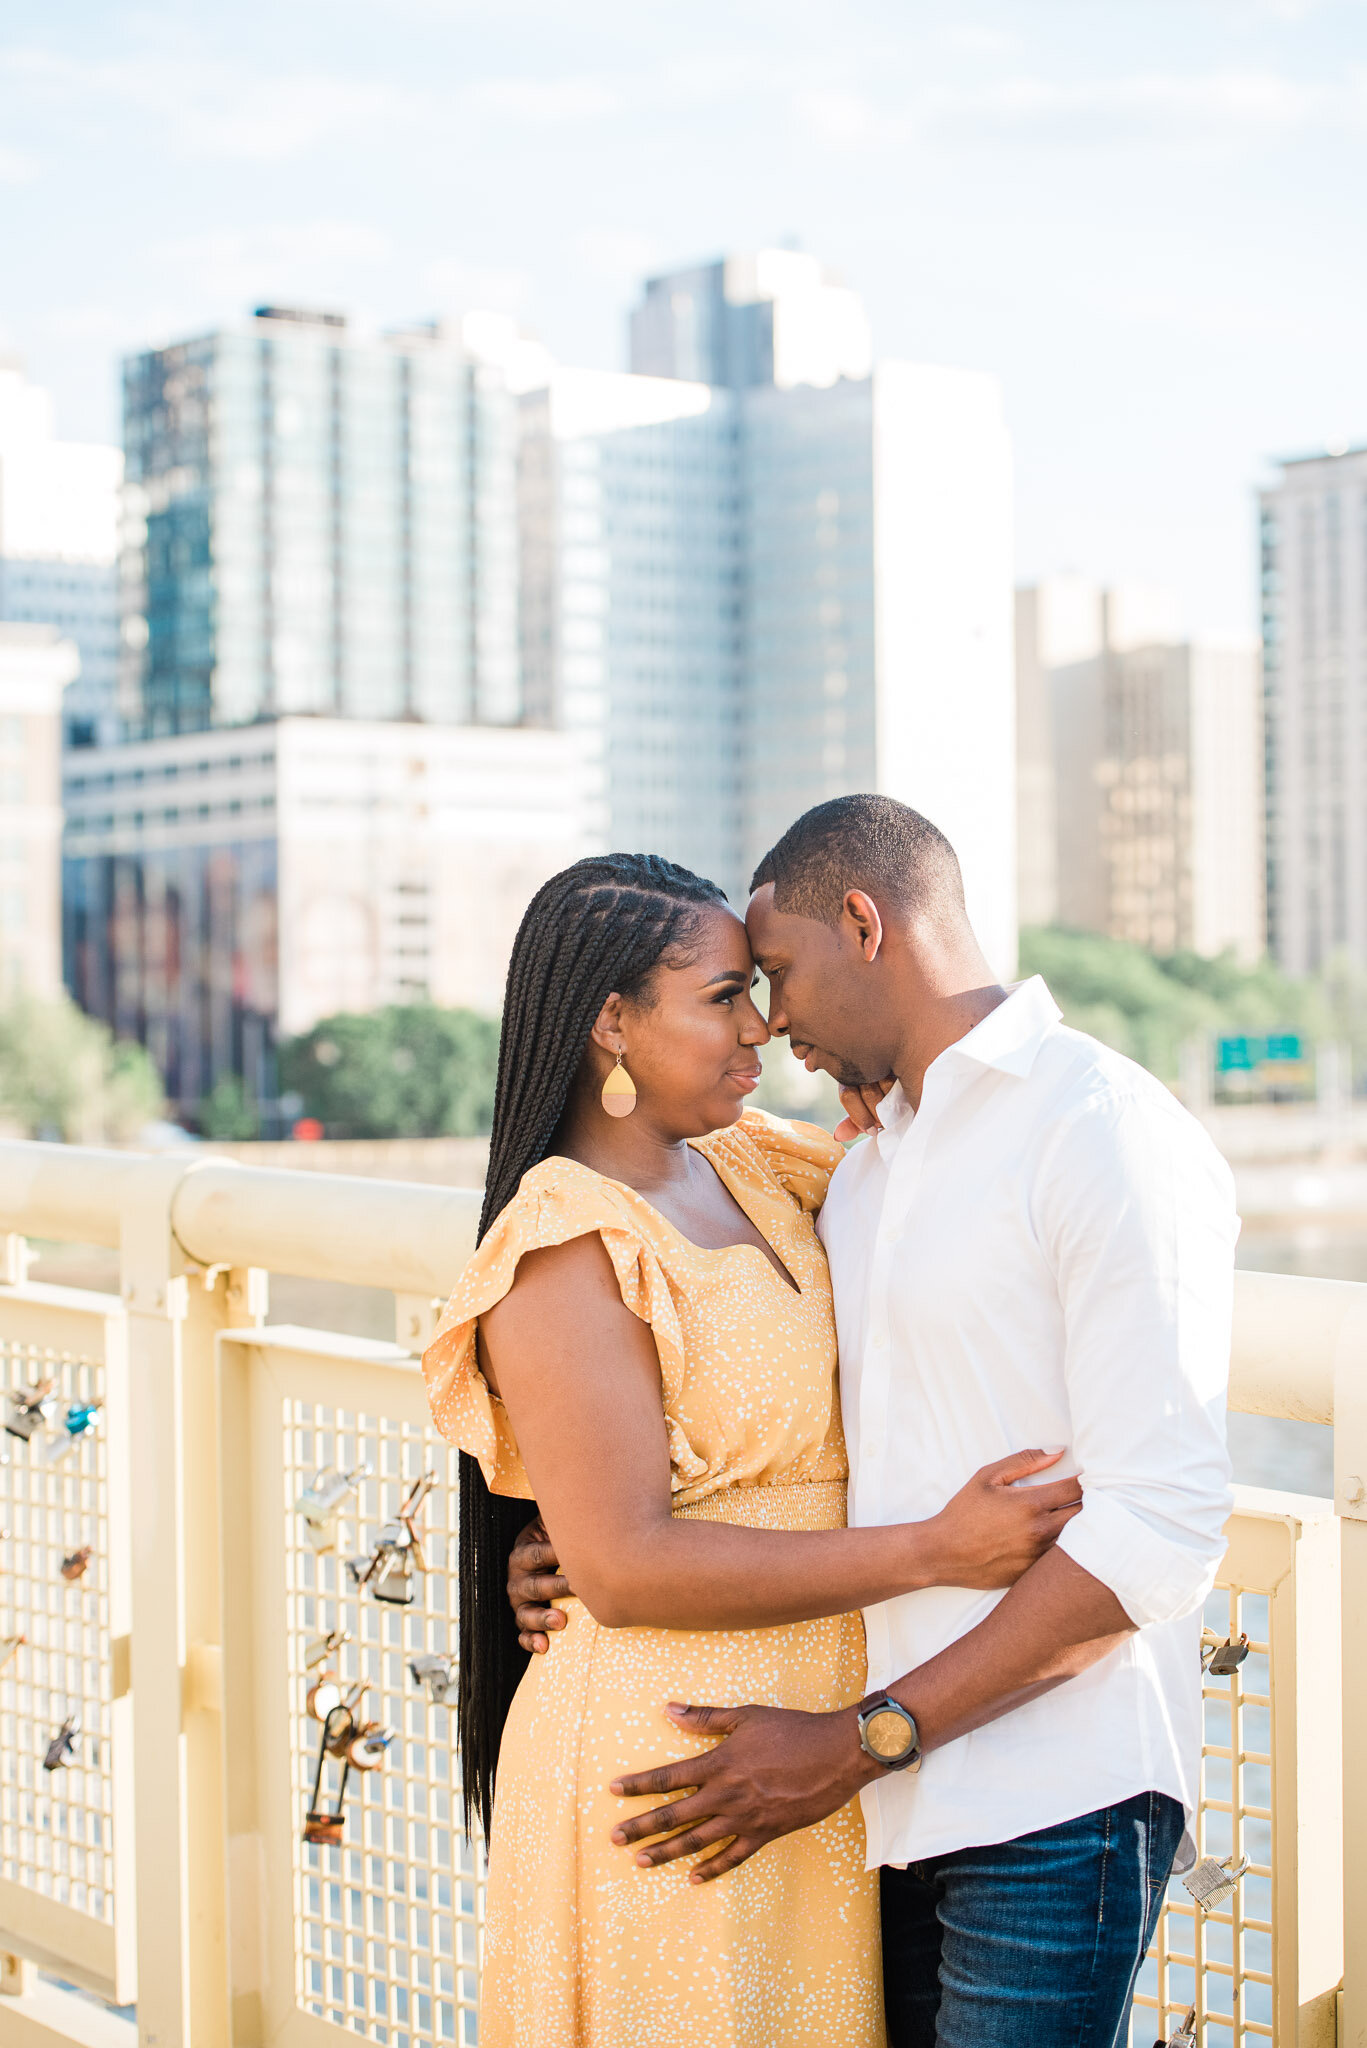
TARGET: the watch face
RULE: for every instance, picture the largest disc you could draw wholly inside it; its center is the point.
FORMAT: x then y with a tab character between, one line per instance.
887	1734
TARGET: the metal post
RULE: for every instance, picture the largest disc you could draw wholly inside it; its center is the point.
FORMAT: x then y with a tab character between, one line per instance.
175	1313
1350	1502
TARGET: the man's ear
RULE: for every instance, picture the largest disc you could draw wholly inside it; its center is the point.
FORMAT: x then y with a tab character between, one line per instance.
607	1027
867	926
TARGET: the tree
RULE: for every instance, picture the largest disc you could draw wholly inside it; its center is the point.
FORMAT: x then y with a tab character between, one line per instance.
411	1070
1147	1006
226	1113
64	1075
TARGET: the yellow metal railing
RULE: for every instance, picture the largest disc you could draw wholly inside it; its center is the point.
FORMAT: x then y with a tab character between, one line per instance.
163	1861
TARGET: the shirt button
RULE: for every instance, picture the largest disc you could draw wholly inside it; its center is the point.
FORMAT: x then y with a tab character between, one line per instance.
880	1342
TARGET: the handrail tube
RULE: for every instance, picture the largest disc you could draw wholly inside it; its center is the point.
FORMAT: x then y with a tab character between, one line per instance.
395	1234
1290	1334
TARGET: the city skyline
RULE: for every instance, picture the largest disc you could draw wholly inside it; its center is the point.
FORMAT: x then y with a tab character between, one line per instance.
1133	218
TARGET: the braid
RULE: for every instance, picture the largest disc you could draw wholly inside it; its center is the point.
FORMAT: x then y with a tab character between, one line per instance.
599	928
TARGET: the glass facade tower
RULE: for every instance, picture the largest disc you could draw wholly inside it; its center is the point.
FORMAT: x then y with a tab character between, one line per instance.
318	524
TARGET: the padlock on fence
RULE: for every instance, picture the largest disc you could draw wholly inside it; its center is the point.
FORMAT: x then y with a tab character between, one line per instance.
398	1552
76	1564
1211	1883
62	1748
1222	1659
78	1423
30	1410
436	1675
321	1503
320	1648
1185	2037
324	1825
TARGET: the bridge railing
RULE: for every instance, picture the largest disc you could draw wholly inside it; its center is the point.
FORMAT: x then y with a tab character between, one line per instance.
181	1666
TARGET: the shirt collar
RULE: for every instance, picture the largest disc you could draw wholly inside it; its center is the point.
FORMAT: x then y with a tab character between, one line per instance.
1008	1039
1010	1036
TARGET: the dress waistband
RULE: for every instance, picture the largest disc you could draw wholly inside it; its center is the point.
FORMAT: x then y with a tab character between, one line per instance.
803	1504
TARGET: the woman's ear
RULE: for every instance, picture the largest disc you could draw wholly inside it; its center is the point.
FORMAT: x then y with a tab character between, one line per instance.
607	1028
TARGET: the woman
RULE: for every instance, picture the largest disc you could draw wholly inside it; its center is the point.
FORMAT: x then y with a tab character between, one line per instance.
644	1342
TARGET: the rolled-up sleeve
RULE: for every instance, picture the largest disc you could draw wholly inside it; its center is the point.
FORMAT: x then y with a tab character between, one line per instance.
1135	1210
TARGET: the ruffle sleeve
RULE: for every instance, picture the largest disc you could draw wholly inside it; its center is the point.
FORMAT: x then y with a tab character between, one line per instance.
557	1201
801	1157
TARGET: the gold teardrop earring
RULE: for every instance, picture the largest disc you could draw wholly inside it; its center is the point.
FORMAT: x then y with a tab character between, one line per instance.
619	1091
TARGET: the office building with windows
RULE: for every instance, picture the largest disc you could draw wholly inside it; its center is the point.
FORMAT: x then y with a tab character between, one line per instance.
318	523
1140	769
36	667
59	526
1314	623
768	574
227	889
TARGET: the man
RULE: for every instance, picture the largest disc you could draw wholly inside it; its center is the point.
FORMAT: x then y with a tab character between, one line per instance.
1035	1245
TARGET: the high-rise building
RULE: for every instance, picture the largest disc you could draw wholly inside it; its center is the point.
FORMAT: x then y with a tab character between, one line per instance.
1140	772
318	523
59	524
1314	605
227	889
774	316
770	575
36	666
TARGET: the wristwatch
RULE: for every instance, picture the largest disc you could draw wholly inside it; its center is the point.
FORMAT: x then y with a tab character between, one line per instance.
888	1734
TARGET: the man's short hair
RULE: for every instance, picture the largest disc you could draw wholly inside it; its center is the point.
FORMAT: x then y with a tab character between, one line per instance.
862	842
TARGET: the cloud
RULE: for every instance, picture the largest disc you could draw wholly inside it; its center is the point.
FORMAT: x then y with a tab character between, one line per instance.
294	259
845	120
16	167
208	109
615	253
1157	107
975	39
1157	110
454	287
546	101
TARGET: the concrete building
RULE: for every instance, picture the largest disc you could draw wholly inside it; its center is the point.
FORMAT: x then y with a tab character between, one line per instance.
59	537
224	890
1140	773
321	523
768	575
36	666
1314	607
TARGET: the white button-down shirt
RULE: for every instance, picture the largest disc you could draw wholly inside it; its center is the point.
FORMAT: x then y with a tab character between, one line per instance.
1042	1254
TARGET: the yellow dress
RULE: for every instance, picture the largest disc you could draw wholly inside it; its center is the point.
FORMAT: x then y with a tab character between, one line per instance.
583	1949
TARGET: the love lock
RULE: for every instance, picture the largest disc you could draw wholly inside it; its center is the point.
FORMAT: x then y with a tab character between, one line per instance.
398	1551
369	1746
360	1746
1211	1883
323	1825
76	1565
62	1748
78	1422
30	1409
436	1675
1185	2037
320	1648
320	1504
1222	1659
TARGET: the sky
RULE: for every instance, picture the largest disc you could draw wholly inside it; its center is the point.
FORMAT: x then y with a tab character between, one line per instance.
1144	216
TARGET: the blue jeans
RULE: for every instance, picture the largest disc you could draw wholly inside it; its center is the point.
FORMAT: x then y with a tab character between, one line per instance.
1034	1943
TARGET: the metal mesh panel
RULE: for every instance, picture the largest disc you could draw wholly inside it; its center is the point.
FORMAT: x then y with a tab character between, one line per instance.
1221	1961
56	1832
387	1925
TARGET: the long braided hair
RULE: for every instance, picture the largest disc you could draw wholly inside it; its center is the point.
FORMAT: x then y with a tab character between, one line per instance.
598	928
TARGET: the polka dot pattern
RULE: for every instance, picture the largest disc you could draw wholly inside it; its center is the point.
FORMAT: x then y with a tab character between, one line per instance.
582	1948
